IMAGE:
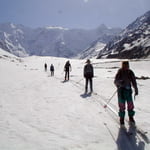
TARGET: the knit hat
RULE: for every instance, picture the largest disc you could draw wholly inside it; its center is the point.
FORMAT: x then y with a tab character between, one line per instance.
125	64
88	61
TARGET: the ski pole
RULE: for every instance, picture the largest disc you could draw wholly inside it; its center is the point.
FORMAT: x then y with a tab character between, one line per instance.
110	99
79	81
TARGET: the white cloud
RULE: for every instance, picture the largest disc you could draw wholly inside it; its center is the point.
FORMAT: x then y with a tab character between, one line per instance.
86	1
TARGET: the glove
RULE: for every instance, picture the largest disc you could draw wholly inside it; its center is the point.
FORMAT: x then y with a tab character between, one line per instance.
136	92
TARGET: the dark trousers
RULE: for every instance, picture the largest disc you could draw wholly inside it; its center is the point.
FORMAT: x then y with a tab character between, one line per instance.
66	75
87	80
52	73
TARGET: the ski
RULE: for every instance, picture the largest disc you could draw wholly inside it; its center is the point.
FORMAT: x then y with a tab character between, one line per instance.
126	130
143	134
64	81
134	129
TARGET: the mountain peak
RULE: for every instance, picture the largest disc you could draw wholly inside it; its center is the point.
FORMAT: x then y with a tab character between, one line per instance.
102	27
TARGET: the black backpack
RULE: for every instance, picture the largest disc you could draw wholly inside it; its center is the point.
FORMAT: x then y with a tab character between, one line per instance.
88	71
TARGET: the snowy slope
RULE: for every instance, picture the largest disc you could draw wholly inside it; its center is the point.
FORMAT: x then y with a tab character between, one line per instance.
39	112
97	46
92	51
133	42
13	37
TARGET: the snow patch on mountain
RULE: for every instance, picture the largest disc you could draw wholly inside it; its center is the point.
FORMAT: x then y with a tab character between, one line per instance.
93	51
56	27
133	42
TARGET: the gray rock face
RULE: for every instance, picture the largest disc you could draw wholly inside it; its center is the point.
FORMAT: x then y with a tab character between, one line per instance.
49	41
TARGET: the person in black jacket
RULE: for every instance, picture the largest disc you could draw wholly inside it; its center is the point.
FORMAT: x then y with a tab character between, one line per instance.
52	69
45	66
124	79
67	69
88	74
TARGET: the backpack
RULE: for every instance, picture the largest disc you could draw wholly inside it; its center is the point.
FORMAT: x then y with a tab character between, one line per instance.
67	66
88	71
52	68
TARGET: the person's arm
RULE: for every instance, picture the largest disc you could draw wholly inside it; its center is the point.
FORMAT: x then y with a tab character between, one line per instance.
65	67
118	81
134	83
92	71
84	71
70	68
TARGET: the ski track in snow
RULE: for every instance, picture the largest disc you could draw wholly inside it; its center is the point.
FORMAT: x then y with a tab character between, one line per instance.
39	112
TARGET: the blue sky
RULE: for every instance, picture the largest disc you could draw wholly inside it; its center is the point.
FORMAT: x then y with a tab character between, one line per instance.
72	13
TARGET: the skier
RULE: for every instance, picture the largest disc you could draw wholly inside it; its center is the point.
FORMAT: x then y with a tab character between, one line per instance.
88	74
123	81
52	69
67	69
45	66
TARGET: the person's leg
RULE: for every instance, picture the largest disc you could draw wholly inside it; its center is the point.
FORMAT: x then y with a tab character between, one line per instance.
91	85
130	105
65	75
68	75
121	104
86	85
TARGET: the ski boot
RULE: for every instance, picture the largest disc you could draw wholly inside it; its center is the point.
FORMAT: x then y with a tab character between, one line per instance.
122	122
131	121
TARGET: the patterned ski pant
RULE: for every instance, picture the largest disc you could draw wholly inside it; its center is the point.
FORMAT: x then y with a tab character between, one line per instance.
125	96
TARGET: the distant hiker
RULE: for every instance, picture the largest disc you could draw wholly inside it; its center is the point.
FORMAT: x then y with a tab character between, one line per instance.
52	69
45	66
67	69
88	74
123	81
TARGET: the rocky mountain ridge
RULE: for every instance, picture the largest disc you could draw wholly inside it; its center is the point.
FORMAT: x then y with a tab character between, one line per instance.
132	42
49	41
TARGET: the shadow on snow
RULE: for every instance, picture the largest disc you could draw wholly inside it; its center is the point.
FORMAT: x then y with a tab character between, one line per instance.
85	95
127	140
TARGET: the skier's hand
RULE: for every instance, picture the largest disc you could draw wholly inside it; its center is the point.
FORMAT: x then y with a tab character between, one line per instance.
136	92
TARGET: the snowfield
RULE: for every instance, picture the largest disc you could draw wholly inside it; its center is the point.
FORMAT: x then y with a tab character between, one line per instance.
40	112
